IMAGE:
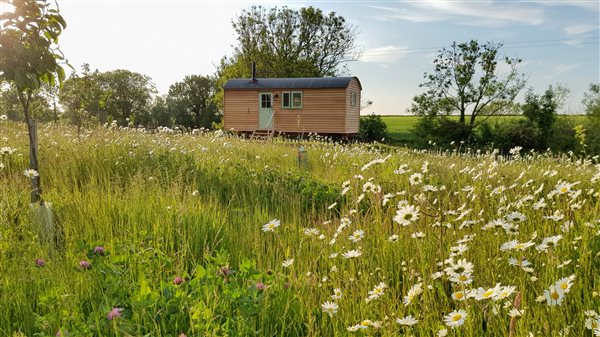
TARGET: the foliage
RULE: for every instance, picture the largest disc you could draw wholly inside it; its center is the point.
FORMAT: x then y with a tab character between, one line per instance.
128	94
82	98
191	102
39	106
29	58
287	42
372	128
541	111
591	101
466	80
442	131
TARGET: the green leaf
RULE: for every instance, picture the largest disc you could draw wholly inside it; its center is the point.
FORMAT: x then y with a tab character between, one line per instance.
60	71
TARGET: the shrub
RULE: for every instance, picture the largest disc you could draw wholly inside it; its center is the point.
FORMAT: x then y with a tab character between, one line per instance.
372	128
521	133
442	131
563	136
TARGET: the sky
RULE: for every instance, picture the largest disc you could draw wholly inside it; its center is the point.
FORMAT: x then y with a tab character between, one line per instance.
557	40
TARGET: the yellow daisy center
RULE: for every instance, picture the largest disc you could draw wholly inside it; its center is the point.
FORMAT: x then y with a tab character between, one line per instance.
456	317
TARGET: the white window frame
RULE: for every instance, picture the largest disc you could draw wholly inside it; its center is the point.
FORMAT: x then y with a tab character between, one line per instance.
291	100
353	98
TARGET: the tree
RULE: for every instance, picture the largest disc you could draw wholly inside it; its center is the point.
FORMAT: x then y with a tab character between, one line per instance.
466	81
591	100
541	110
29	57
82	97
191	102
127	94
39	106
286	42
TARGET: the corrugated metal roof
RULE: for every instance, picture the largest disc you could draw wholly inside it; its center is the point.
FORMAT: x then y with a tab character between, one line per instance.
290	83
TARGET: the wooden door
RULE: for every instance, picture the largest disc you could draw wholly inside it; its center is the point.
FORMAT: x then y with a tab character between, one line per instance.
265	110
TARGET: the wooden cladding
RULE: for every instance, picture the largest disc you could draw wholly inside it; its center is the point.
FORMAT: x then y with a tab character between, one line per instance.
327	110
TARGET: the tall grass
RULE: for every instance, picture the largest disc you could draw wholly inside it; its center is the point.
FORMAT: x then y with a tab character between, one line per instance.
168	205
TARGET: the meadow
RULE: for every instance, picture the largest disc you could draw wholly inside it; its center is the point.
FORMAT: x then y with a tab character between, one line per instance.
206	234
400	128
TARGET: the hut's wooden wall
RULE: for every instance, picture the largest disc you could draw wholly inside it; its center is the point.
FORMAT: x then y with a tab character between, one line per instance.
240	110
352	112
323	110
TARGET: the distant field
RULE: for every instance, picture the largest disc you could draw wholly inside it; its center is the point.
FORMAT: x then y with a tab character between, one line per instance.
400	128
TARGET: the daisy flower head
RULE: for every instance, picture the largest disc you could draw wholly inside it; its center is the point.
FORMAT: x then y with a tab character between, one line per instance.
459	296
407	321
352	253
30	173
491	293
562	187
415	179
413	293
357	235
553	296
515	217
330	308
565	283
406	215
271	225
337	294
377	292
455	318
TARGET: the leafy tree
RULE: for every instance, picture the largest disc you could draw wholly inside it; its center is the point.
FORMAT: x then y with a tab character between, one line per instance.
466	80
159	114
287	42
29	57
541	110
591	100
82	97
128	94
39	107
191	102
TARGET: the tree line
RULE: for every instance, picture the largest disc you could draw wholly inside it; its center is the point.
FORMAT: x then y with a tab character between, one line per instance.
283	42
466	82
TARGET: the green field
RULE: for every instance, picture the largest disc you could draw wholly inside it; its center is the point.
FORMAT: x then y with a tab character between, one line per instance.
400	128
164	234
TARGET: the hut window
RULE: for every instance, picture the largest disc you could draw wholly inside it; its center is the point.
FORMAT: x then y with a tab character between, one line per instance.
353	98
292	99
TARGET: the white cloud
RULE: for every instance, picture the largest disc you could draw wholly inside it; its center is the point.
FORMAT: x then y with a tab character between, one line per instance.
580	28
585	4
385	54
475	13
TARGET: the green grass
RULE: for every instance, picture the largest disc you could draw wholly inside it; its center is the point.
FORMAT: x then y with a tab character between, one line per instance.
401	128
193	206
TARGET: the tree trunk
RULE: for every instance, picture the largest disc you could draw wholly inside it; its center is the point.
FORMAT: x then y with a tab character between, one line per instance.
36	190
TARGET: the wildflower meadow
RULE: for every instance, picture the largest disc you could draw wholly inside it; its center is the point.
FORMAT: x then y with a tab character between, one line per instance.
207	234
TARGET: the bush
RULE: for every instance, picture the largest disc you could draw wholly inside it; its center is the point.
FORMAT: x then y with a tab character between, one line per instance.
442	131
523	133
563	136
372	128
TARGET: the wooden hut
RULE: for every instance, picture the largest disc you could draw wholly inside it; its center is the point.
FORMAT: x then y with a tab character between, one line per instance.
323	105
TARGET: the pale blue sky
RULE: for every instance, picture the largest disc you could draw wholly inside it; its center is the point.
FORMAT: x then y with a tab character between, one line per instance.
557	40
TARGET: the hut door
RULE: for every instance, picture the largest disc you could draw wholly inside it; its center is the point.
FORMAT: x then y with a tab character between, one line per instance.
265	110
